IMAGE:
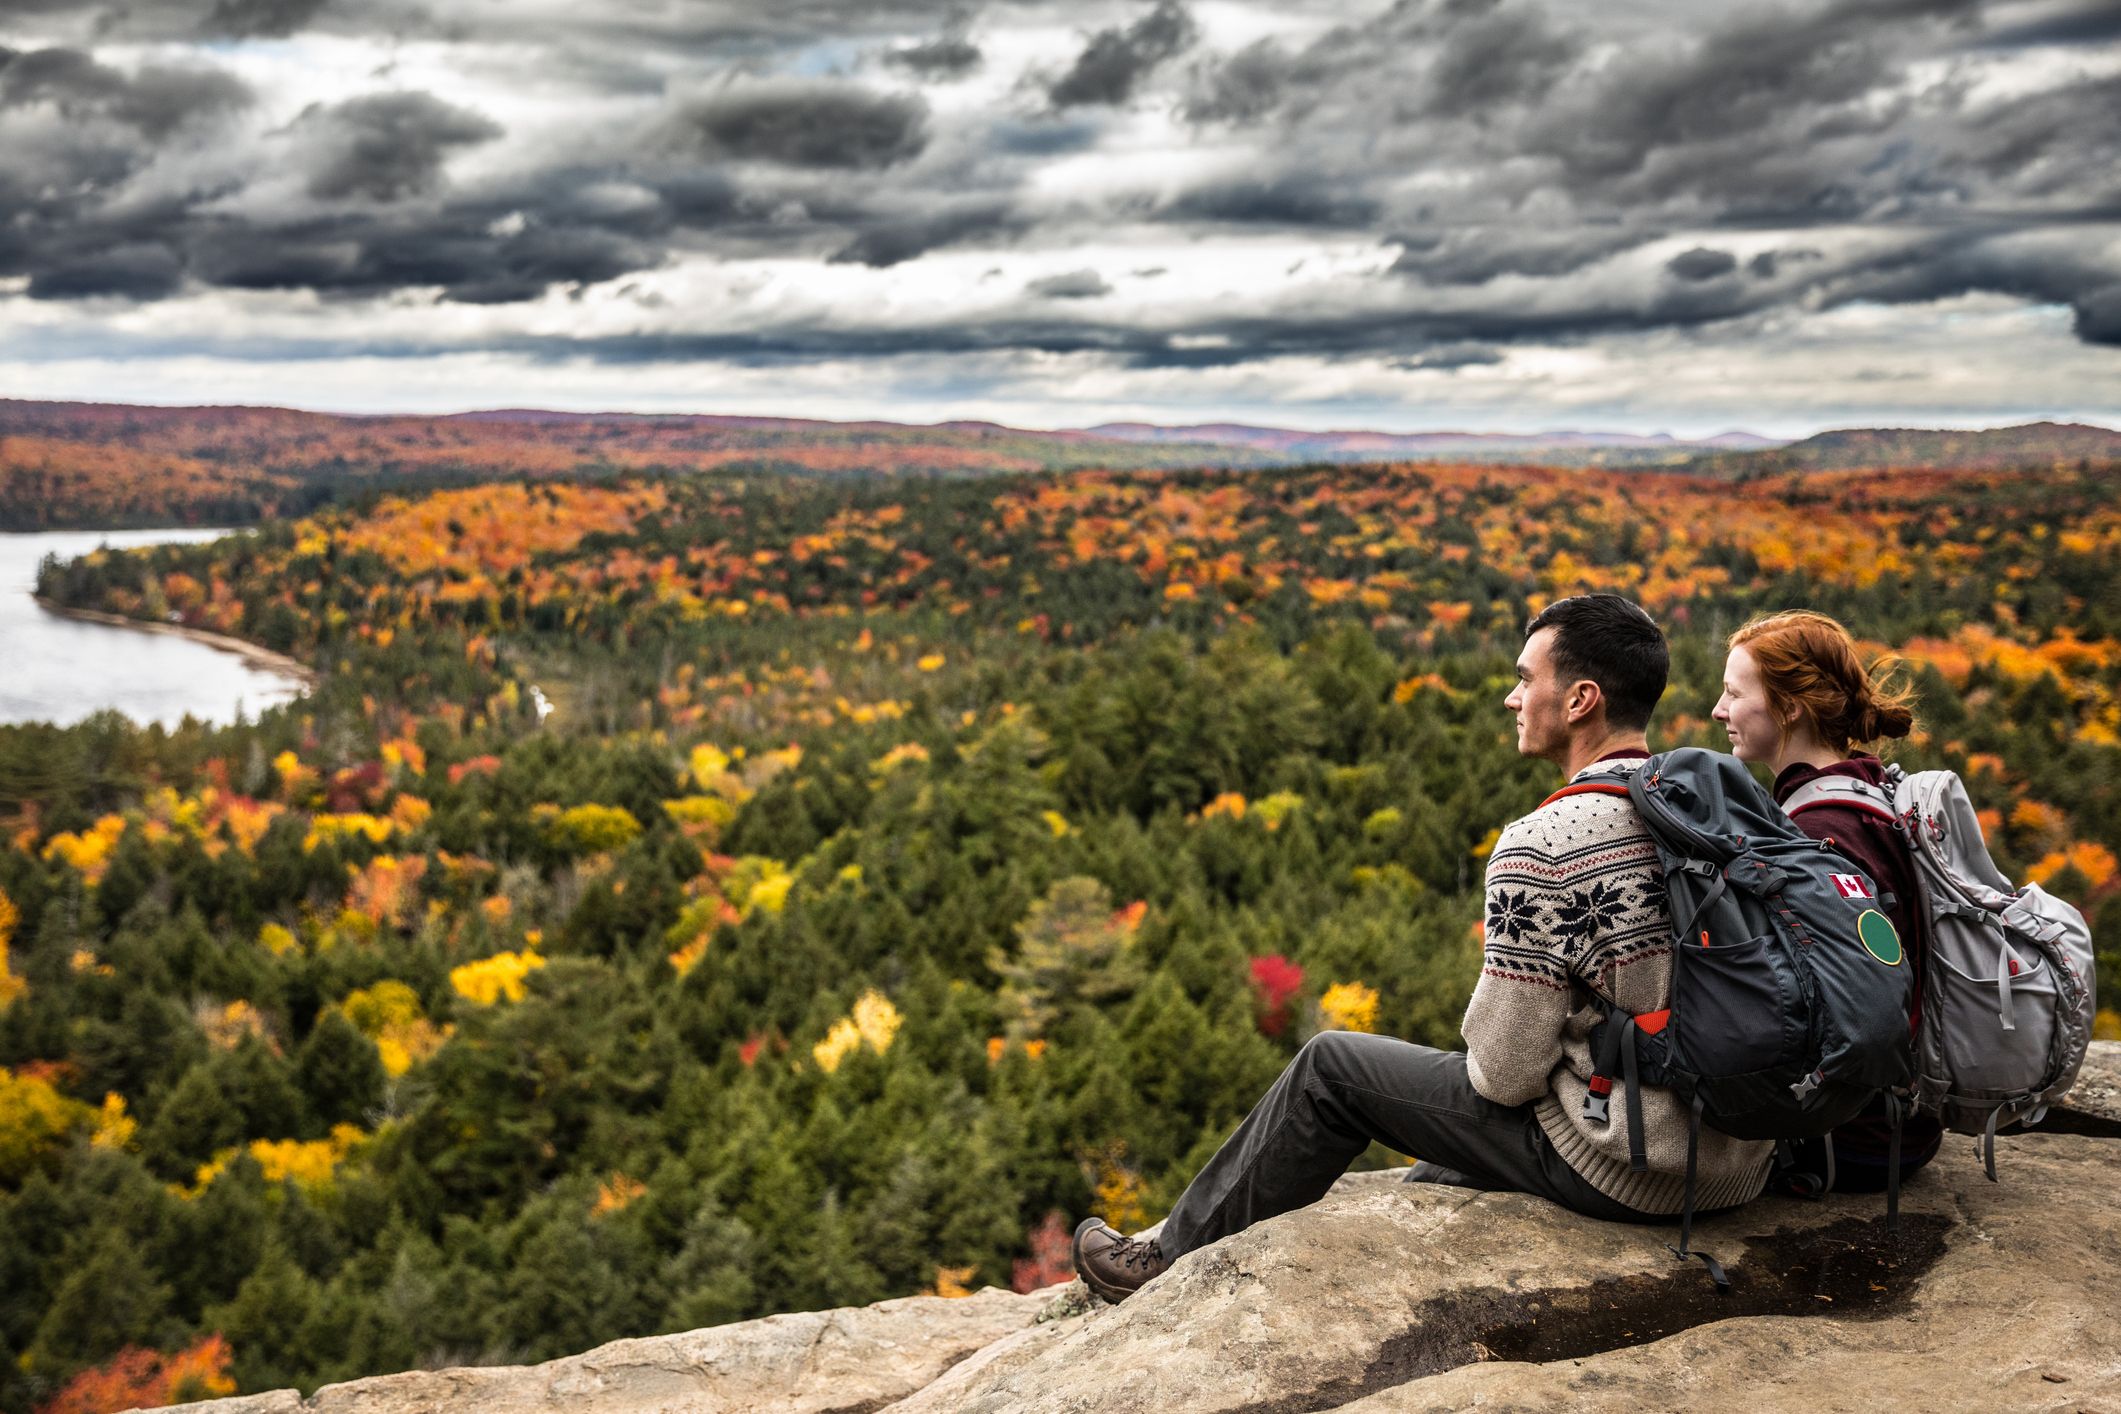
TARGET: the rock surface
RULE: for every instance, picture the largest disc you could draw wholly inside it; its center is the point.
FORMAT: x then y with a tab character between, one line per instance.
1388	1297
854	1358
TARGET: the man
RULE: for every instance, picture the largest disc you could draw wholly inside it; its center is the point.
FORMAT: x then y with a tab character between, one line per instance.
1576	922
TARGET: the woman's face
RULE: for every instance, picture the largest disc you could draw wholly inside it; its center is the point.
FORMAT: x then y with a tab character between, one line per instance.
1756	733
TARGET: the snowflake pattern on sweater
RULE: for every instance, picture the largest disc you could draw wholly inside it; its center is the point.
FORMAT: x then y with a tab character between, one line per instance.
1572	891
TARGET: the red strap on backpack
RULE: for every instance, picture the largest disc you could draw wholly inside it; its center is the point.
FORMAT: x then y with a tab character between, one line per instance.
1583	788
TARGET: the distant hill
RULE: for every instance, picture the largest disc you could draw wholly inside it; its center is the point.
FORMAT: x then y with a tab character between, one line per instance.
1546	448
2033	445
111	466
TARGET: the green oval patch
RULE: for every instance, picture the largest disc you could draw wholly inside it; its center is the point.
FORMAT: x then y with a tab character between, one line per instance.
1880	938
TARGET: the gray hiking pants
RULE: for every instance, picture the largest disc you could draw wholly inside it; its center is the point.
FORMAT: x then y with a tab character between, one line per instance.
1345	1089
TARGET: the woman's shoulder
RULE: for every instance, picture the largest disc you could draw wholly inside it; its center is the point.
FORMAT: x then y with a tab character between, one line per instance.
1862	766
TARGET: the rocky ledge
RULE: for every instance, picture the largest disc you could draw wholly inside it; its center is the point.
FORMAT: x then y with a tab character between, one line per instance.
1389	1296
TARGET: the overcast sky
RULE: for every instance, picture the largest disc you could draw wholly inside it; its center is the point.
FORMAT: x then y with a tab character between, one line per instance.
1493	214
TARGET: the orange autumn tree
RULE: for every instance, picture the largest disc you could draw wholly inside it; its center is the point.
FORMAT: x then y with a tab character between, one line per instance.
147	1379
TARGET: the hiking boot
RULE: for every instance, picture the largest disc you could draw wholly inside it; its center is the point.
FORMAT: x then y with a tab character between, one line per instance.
1115	1267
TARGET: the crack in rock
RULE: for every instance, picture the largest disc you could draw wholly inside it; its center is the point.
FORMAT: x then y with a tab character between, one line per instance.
1852	1269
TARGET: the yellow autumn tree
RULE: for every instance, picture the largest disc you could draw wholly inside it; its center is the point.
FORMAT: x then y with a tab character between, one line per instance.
34	1119
877	1020
1349	1006
1117	1191
11	986
873	1022
88	851
615	1193
492	978
842	1041
114	1127
310	1164
390	1014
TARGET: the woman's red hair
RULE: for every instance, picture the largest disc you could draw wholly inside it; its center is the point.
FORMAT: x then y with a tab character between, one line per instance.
1809	661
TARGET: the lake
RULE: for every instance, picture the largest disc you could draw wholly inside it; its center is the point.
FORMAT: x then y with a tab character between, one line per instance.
57	669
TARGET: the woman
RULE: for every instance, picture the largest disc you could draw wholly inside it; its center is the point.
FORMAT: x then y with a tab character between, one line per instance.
1798	699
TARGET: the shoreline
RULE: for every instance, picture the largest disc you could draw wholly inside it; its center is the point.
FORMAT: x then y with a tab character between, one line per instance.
250	652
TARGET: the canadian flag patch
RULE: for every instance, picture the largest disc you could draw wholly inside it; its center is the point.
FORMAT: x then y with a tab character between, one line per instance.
1853	886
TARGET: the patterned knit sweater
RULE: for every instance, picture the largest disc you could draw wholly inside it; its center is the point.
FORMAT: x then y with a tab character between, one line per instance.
1576	921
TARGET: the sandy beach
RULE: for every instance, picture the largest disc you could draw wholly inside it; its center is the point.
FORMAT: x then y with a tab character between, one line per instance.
251	652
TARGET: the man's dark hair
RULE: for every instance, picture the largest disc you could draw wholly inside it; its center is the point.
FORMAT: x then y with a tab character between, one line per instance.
1616	644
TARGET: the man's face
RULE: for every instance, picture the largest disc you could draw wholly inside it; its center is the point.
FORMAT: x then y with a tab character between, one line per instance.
1540	700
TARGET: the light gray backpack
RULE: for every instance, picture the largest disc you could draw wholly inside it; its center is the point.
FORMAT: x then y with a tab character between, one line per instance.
2007	987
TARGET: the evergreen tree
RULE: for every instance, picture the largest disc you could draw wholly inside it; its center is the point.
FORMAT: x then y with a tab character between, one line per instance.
340	1074
709	1275
194	1122
107	1301
268	1323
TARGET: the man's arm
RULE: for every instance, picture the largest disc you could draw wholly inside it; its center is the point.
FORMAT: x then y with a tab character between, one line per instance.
1513	1024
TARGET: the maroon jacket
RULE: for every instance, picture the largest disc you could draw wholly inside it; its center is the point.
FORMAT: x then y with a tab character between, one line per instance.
1872	845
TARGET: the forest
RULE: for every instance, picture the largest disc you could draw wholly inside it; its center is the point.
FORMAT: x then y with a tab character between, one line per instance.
907	868
101	466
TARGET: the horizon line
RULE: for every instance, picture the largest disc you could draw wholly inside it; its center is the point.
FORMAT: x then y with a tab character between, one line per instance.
1081	429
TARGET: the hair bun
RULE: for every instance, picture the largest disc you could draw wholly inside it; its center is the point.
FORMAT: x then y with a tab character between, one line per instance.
1883	719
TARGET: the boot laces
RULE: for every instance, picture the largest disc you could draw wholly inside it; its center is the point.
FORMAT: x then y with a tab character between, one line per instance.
1132	1253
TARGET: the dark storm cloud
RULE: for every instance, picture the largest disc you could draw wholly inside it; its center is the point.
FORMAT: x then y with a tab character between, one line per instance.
2086	279
2098	315
2083	24
2060	141
1529	168
73	133
938	58
1075	284
261	19
1777	119
1242	88
1497	54
1281	201
384	146
1474	257
1768	263
805	123
143	271
1115	61
1434	58
1047	135
1701	263
895	240
152	100
1451	358
710	28
464	253
1222	342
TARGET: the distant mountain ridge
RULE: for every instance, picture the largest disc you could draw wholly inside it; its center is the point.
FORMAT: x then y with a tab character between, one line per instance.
1565	447
114	465
2031	445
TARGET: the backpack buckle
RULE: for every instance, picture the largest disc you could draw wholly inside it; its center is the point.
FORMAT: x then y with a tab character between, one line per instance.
1803	1088
1597	1104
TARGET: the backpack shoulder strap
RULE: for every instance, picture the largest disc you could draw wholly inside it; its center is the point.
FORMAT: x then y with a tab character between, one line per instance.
1947	839
1584	788
1600	783
1860	796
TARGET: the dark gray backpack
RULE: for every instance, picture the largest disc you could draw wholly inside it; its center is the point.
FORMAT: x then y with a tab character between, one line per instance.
2008	985
1790	989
